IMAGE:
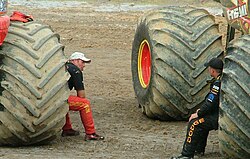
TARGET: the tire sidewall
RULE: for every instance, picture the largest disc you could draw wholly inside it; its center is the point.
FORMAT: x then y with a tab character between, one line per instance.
142	33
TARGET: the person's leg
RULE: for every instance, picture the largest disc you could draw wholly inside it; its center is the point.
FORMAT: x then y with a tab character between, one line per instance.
67	128
67	125
195	129
200	148
83	106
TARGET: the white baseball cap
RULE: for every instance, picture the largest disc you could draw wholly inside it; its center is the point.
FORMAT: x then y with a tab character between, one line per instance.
79	55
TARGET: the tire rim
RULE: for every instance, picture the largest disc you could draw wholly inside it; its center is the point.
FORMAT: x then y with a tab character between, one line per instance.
144	64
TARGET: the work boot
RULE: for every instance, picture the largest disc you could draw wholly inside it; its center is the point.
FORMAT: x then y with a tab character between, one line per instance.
70	132
93	137
181	157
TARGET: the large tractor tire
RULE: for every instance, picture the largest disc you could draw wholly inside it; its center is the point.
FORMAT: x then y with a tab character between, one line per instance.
33	85
169	50
234	120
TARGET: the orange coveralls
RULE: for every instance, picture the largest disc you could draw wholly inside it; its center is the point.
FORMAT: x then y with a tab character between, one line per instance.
83	106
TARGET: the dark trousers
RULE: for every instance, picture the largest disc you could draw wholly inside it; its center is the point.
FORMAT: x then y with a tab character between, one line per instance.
196	138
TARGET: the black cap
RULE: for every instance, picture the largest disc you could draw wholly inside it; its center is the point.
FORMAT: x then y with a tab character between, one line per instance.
215	63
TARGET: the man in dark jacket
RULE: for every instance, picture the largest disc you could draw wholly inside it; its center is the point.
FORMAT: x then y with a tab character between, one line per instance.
205	118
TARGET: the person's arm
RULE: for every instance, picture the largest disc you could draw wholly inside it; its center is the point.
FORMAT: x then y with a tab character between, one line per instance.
193	116
211	101
81	93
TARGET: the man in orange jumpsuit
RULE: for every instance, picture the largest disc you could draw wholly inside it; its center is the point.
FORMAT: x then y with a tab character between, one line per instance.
75	66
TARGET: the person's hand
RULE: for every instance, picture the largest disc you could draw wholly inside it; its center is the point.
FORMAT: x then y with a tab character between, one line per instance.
197	110
195	115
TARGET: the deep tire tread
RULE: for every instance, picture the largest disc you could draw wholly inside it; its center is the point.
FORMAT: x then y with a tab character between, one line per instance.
234	133
33	83
181	43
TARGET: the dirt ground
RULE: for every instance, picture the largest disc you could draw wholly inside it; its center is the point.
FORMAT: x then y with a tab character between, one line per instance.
104	30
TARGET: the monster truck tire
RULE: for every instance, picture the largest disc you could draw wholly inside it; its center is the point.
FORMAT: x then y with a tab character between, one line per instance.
33	85
234	120
169	50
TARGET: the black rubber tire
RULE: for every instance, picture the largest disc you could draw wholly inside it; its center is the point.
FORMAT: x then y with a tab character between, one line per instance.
234	121
33	85
181	40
